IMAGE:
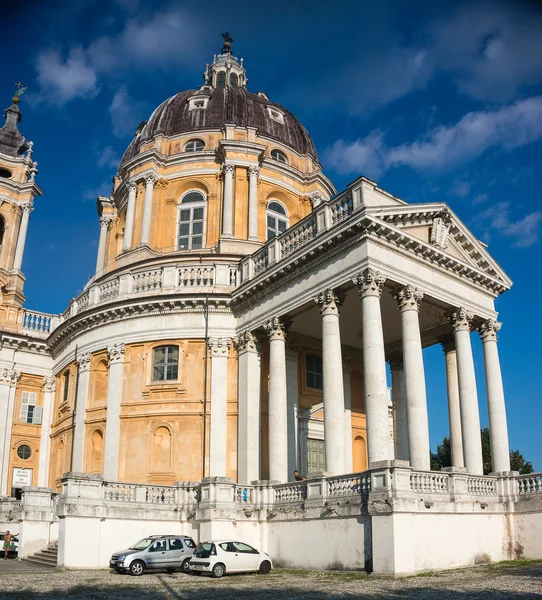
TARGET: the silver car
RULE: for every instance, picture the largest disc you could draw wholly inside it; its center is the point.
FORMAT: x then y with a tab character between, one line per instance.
168	552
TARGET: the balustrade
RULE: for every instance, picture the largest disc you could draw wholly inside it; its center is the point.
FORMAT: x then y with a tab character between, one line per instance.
430	482
261	259
147	281
482	486
297	236
119	492
349	485
529	484
243	494
160	495
109	290
196	276
290	492
36	322
341	209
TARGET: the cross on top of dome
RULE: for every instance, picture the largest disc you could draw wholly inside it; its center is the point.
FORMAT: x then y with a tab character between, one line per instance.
226	48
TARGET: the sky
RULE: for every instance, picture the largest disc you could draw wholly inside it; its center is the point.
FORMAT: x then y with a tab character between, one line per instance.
436	101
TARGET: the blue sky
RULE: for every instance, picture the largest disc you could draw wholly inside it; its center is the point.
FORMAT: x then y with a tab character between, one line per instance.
436	101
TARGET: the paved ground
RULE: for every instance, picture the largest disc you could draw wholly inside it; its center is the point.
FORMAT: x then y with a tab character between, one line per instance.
499	582
15	565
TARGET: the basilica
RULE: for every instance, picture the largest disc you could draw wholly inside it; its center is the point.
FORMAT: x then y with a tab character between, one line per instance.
245	321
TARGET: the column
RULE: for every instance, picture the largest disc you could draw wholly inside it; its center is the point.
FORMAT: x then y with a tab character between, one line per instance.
248	436
130	215
398	397
292	393
105	223
150	180
227	215
454	408
219	406
27	208
112	426
370	284
278	410
49	386
253	173
348	458
333	392
468	396
81	398
408	299
8	383
498	429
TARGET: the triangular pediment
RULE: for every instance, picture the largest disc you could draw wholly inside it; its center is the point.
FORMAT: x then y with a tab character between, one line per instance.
438	226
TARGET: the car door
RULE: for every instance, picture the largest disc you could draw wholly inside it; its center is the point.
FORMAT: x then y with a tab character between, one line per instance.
175	553
157	554
247	558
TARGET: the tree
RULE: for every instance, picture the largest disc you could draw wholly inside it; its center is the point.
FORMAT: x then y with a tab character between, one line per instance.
443	456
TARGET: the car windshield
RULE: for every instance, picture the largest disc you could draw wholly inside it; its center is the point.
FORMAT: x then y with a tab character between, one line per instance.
204	550
142	544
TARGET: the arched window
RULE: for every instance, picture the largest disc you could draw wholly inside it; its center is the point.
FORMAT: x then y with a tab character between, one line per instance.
277	219
191	221
221	79
194	146
165	363
234	80
279	156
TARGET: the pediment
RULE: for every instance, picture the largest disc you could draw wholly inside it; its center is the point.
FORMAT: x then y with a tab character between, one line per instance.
438	226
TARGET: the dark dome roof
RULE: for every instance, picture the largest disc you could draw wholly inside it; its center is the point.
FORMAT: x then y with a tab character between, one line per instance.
229	105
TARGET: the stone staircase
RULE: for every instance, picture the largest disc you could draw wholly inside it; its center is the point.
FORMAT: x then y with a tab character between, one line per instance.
44	558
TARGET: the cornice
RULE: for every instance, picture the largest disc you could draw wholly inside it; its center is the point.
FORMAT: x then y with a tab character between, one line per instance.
132	309
23	343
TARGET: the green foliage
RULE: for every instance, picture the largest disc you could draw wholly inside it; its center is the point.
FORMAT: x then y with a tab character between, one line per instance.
443	456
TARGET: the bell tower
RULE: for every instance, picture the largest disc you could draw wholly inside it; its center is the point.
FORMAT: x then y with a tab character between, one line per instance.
18	189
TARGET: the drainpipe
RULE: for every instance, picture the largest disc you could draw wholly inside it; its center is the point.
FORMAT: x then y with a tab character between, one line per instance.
206	316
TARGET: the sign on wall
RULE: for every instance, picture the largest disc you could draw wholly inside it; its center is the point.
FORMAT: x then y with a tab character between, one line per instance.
21	477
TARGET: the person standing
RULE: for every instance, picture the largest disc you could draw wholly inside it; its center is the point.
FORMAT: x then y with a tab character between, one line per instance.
7	543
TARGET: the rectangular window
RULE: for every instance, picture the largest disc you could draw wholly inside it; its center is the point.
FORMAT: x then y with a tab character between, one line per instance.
66	390
165	363
314	379
30	413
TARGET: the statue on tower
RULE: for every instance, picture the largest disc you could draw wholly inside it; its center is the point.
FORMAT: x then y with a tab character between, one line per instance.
226	48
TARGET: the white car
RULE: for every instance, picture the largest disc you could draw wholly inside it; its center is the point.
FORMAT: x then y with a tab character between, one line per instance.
218	557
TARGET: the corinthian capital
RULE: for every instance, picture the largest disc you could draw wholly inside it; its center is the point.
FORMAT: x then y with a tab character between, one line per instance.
253	171
461	319
132	186
49	383
276	328
247	342
370	283
116	353
228	168
83	361
219	346
330	302
9	376
151	178
488	330
408	298
106	221
27	207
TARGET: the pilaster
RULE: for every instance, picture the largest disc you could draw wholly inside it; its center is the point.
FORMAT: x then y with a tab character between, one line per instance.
114	395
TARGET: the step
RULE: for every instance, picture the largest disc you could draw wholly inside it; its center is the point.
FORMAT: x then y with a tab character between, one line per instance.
39	561
49	552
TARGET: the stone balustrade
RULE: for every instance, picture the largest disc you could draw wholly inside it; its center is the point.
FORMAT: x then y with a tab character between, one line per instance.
529	484
38	324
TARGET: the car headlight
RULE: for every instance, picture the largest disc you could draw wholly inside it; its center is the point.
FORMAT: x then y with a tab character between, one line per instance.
121	557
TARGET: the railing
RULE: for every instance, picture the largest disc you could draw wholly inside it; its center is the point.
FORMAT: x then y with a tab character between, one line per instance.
297	236
147	281
196	276
481	486
160	495
341	209
286	493
349	485
109	290
119	492
430	482
529	484
243	494
261	259
37	323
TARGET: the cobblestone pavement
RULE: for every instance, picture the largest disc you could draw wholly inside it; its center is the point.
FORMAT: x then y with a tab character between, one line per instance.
499	582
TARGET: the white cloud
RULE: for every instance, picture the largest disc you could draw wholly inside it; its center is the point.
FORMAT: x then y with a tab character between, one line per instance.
108	158
445	147
62	80
496	221
125	113
104	189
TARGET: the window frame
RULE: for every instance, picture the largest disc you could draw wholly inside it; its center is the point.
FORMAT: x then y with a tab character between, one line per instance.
166	364
191	206
276	152
36	414
279	218
313	372
24	445
66	376
194	141
275	114
197	103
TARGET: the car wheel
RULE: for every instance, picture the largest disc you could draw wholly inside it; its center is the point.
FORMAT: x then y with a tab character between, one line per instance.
185	567
137	568
265	568
219	570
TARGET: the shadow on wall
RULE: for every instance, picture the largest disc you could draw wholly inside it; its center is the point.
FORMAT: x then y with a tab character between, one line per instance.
170	587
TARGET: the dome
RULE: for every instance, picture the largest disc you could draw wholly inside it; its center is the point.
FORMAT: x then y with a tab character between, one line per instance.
226	105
